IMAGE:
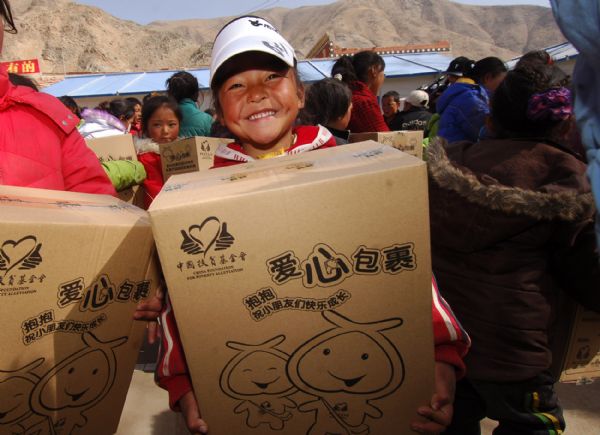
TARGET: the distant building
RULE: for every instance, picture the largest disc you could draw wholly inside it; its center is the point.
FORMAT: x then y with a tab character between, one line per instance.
326	48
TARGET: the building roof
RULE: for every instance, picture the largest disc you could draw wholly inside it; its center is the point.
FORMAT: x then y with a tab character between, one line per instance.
325	47
560	53
135	83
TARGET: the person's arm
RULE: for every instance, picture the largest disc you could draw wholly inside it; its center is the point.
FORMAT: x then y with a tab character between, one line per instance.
172	373
81	169
451	345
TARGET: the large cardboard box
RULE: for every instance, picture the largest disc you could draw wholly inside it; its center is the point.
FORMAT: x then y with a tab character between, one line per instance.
189	155
581	362
118	147
302	290
410	142
72	269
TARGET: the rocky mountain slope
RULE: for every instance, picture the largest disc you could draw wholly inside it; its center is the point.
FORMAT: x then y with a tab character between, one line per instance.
68	37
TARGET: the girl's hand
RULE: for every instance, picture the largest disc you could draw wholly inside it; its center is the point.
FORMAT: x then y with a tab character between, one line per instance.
439	412
191	414
149	310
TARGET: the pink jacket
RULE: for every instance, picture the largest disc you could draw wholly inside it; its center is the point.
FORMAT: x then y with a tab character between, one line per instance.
40	146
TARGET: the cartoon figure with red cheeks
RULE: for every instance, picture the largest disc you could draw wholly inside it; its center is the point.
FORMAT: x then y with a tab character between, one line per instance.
77	383
346	368
256	375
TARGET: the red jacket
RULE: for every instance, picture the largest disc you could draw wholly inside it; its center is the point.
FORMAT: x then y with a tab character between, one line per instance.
40	146
366	115
148	154
451	341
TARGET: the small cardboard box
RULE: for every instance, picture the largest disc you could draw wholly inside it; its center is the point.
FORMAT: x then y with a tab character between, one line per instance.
72	270
119	147
582	359
302	290
191	154
410	142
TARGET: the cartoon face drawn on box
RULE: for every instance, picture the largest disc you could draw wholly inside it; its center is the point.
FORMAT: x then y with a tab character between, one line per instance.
16	386
257	377
77	383
346	367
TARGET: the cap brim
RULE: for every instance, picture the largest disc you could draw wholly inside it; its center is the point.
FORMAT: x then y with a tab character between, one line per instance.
243	45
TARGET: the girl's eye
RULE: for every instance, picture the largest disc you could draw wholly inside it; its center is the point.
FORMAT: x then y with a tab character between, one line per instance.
234	86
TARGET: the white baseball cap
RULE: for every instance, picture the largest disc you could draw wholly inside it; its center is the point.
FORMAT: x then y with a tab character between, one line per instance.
249	33
418	98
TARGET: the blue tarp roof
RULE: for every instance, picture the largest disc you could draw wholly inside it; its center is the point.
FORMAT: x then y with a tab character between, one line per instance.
100	85
559	52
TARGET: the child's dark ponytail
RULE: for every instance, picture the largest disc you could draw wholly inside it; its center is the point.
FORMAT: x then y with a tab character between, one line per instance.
356	68
531	101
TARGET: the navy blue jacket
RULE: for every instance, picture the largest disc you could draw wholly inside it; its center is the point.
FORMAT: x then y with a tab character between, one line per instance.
463	108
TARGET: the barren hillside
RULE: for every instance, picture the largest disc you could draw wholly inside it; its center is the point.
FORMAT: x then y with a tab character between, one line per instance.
67	36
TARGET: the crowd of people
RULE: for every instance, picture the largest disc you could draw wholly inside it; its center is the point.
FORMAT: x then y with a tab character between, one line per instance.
512	215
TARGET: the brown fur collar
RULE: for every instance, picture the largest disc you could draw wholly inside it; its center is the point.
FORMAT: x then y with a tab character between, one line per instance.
566	206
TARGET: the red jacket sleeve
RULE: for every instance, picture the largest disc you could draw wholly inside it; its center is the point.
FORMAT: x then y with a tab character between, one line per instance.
81	169
171	371
451	341
154	180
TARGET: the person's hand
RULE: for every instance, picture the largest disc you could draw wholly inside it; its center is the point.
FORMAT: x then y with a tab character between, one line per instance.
191	414
438	414
149	310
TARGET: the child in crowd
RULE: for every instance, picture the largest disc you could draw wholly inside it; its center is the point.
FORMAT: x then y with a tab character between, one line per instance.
258	96
136	124
511	229
464	106
329	103
161	118
363	73
392	112
184	88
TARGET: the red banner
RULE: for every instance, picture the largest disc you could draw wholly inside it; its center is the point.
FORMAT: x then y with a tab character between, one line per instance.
30	66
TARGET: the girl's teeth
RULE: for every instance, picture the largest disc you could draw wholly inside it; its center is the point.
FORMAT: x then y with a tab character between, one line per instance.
261	115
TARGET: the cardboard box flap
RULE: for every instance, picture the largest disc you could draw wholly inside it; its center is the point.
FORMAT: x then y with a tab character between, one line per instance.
262	175
67	207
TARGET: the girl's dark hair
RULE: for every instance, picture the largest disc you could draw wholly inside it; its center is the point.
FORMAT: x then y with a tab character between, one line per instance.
120	108
487	65
152	104
325	101
510	102
20	80
539	56
6	13
71	104
133	101
356	68
182	85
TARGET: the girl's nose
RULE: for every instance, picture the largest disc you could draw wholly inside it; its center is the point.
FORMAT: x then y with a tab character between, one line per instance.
257	93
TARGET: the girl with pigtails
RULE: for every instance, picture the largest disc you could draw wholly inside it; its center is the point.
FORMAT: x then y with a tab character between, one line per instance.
512	230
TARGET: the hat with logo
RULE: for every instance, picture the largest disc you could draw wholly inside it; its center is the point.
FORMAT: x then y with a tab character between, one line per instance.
249	33
418	98
460	66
